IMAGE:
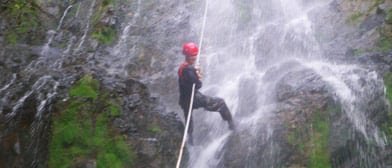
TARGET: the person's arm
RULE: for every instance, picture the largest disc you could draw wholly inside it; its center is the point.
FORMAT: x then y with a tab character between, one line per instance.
191	77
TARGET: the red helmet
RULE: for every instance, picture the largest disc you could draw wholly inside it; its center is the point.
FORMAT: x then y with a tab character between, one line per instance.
190	49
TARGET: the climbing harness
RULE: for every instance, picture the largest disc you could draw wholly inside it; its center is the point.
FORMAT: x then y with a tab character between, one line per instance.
184	138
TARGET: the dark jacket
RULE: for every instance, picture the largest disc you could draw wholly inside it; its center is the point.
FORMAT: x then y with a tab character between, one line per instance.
186	78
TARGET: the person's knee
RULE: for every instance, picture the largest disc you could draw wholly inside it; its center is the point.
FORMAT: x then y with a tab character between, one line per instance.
220	101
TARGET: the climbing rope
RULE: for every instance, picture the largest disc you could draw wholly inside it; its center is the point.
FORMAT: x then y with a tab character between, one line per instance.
184	138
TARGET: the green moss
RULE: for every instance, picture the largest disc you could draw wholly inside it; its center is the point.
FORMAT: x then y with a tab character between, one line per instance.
388	18
115	110
319	155
355	18
387	126
310	139
388	85
23	20
358	52
384	44
86	88
82	131
154	128
105	34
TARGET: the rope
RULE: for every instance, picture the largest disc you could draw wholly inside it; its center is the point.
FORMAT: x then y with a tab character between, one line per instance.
184	138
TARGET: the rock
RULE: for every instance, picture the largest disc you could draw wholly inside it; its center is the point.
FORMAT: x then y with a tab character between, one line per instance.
372	22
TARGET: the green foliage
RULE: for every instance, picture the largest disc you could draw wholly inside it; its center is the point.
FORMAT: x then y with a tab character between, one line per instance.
388	85
384	44
358	52
115	110
86	88
319	154
82	130
387	126
106	3
23	20
154	128
388	18
105	34
310	139
355	18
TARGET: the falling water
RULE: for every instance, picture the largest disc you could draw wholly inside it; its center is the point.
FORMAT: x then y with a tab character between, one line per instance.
122	53
243	43
45	53
9	84
352	92
87	28
42	92
62	17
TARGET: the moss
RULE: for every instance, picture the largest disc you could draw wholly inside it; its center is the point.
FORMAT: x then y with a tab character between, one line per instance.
376	3
82	131
354	18
86	88
23	20
358	52
310	140
319	155
387	126
154	128
105	34
388	18
115	110
384	44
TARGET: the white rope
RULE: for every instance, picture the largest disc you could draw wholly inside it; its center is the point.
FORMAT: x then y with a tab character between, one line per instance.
184	138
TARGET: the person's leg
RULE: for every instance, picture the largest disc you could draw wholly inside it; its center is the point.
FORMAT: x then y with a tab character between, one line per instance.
185	109
215	104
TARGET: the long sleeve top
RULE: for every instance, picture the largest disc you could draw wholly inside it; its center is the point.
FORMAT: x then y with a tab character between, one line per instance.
187	76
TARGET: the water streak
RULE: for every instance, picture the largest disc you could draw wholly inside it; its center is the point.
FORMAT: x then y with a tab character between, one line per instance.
9	84
86	29
62	17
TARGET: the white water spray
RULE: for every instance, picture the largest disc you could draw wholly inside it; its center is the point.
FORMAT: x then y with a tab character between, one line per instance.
244	43
86	29
62	17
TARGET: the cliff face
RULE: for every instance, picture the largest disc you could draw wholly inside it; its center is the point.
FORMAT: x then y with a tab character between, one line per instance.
48	49
127	48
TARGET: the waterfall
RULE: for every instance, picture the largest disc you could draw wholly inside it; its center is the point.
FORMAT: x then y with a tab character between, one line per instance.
244	42
124	51
62	17
87	28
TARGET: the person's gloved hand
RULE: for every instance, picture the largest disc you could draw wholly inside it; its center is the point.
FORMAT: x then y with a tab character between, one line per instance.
198	72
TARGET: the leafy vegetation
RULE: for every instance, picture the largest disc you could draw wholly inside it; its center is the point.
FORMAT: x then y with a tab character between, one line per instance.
154	128
103	33
387	127
388	18
355	18
81	130
384	44
311	141
23	20
319	154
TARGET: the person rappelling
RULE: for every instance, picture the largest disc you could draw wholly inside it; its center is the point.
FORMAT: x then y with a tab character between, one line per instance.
189	74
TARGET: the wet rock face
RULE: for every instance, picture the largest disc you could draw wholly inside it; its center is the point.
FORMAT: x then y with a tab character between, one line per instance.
153	136
301	96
